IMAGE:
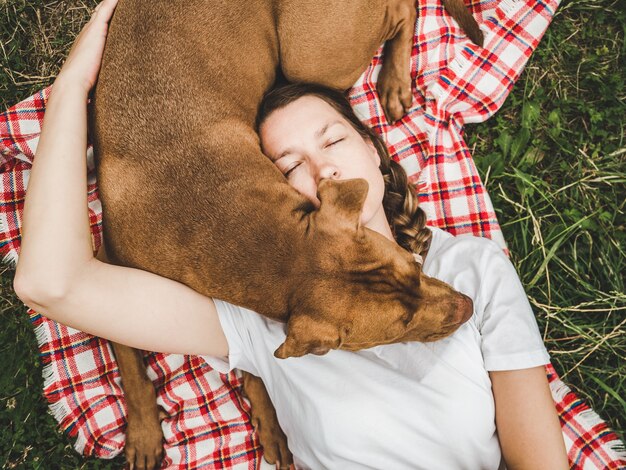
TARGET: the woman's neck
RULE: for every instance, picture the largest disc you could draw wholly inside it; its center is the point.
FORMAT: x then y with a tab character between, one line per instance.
380	224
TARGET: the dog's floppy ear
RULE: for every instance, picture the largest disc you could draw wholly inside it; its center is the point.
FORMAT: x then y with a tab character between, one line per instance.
308	335
342	200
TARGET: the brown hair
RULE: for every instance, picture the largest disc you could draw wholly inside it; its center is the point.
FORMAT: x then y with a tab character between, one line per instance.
407	219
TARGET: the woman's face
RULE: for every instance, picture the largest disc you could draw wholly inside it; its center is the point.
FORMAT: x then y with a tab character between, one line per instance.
308	140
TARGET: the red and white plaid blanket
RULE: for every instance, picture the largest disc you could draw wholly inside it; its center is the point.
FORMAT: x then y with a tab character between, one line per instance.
455	82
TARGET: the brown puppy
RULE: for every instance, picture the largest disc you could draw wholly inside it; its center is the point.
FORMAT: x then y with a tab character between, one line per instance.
187	193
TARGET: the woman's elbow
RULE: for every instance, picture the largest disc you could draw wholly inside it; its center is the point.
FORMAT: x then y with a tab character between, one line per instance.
38	292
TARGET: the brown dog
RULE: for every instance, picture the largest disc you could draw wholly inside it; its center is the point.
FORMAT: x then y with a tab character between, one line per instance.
187	193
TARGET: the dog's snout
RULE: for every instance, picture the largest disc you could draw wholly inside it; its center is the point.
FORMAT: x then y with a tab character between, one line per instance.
464	308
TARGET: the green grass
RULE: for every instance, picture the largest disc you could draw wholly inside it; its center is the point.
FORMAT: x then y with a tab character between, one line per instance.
554	162
553	159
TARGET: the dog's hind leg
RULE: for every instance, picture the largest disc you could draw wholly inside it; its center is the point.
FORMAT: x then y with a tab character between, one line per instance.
332	43
459	11
394	81
265	422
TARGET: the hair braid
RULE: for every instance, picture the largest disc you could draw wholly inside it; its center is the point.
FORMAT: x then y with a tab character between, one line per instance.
406	218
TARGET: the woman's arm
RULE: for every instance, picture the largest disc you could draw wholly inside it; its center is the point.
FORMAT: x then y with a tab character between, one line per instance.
526	420
57	274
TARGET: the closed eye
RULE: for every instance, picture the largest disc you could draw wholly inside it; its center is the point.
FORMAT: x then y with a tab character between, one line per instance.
291	169
335	142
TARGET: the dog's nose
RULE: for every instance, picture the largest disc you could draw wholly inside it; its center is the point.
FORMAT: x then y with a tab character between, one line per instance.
464	308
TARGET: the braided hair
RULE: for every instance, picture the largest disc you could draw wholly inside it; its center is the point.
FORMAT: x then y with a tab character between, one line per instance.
407	220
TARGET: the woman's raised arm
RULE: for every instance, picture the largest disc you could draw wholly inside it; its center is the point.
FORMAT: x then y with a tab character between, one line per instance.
57	274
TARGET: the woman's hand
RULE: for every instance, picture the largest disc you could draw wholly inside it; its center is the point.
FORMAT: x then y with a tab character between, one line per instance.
83	62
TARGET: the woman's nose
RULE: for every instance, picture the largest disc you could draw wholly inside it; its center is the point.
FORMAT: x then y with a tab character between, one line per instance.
327	169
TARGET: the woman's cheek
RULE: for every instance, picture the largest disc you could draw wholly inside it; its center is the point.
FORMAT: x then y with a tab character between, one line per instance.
308	188
377	187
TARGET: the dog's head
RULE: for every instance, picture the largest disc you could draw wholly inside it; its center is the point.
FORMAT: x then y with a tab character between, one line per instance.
356	289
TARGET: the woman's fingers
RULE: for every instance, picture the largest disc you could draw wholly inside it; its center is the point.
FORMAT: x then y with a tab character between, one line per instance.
104	11
83	62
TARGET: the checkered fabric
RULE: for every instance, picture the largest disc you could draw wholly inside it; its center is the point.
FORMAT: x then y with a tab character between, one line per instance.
455	82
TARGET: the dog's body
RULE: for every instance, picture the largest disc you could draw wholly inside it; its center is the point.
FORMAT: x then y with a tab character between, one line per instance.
187	193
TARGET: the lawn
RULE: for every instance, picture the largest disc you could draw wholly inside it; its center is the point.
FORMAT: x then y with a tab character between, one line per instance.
553	159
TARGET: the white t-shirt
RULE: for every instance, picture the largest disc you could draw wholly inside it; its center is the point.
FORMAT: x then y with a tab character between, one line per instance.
400	406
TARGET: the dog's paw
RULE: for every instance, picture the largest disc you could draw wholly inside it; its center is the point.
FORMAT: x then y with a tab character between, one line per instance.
395	94
265	423
275	448
144	444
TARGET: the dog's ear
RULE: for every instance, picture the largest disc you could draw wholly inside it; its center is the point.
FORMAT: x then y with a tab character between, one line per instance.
342	200
307	335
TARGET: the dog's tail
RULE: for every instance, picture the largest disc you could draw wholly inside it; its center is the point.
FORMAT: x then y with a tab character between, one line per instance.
463	16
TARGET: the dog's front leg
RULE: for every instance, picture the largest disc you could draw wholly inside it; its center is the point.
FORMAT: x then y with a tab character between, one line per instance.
144	436
265	422
394	81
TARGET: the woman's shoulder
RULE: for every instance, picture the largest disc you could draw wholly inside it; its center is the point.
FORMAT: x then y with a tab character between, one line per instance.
467	245
463	261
